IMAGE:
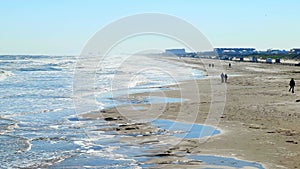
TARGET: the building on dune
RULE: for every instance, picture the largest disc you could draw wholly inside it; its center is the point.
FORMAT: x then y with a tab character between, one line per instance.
295	51
229	53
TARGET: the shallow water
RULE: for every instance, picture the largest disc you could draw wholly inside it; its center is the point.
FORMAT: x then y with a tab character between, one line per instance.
217	162
112	101
186	130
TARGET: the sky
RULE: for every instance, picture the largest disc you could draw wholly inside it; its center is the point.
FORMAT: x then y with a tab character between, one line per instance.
63	27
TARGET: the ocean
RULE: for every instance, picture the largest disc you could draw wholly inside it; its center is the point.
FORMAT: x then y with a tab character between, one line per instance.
38	120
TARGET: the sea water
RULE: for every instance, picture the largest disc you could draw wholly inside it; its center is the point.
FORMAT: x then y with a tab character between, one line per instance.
186	130
36	110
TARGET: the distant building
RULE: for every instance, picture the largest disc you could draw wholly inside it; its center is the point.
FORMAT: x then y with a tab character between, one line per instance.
234	52
178	52
277	52
295	51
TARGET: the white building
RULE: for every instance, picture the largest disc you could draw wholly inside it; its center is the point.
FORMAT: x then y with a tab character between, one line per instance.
175	51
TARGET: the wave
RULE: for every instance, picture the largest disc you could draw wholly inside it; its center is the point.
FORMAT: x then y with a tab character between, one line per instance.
36	96
23	57
59	64
12	144
41	69
5	74
7	125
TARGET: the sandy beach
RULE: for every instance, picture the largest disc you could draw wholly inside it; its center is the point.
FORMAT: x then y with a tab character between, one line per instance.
259	121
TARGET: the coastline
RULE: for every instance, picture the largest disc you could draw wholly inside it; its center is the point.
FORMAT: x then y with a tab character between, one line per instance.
260	122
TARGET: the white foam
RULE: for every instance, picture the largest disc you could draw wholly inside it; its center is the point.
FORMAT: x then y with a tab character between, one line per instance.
54	126
5	74
29	145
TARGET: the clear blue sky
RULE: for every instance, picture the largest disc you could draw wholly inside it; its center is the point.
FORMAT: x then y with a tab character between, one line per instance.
64	26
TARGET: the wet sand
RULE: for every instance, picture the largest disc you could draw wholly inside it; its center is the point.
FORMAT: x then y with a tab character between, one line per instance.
260	121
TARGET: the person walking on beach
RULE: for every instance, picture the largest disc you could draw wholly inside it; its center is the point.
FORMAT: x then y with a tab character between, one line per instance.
226	77
222	77
292	85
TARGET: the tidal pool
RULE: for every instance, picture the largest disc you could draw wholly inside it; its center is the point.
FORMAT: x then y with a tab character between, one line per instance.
216	162
190	130
186	130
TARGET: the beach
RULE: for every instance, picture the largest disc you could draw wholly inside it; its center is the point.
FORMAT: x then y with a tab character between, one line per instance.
164	112
259	121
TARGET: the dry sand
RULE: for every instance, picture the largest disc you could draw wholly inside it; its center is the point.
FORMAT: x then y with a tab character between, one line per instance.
260	121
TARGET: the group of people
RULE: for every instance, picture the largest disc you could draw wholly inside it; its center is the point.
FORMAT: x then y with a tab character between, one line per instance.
211	65
224	77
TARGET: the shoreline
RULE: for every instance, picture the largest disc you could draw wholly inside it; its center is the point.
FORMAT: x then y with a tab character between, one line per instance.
250	131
